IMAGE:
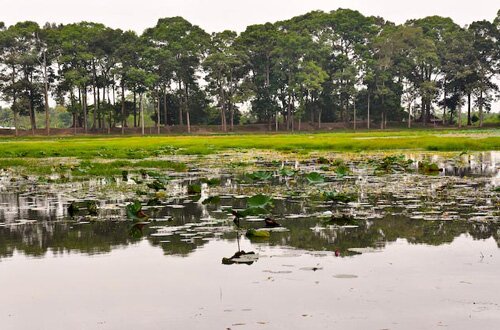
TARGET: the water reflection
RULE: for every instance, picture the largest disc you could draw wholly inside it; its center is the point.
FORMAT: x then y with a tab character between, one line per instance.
422	209
38	239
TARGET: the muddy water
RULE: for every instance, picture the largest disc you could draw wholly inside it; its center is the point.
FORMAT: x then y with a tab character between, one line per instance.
423	252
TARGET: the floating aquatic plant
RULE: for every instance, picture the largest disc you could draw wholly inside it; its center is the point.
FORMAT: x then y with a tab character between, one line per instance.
256	205
156	185
135	213
285	172
428	167
92	208
257	233
194	189
315	177
211	182
260	176
211	200
342	170
342	197
393	164
260	200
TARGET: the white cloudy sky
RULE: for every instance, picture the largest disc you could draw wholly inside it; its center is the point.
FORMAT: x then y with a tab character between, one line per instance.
217	15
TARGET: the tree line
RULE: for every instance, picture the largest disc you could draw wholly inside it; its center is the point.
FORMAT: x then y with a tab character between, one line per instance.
318	67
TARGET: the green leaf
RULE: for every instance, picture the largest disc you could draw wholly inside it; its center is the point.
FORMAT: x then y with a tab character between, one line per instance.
211	200
315	177
257	233
156	185
339	197
134	211
260	200
260	176
92	208
211	182
287	172
194	189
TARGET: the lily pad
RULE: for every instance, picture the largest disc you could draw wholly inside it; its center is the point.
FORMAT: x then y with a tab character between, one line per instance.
257	233
260	200
315	177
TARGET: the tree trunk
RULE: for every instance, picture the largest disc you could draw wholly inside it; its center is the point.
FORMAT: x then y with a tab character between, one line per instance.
158	127
469	121
123	109
409	114
135	109
84	107
32	113
181	107
46	95
222	109
382	123
481	110
94	110
319	118
73	107
459	115
186	103
99	114
165	113
424	112
288	112
16	133
354	111
141	109
94	83
368	122
276	120
444	107
188	121
231	111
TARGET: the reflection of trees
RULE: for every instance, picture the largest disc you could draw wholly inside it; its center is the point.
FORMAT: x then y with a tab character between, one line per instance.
102	237
37	239
177	245
376	233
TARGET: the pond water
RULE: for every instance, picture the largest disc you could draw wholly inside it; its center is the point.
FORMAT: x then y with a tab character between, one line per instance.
411	250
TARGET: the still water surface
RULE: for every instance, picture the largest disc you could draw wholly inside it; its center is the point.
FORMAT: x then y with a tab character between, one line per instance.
423	254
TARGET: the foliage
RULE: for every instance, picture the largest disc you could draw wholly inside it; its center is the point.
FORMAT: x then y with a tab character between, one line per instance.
194	189
259	176
315	177
427	167
134	211
285	172
393	164
342	197
260	200
336	66
256	205
257	233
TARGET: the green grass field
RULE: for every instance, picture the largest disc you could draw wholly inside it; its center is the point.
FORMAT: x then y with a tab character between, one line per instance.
151	146
97	156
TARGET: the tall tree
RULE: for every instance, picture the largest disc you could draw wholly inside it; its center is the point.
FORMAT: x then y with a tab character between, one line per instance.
188	43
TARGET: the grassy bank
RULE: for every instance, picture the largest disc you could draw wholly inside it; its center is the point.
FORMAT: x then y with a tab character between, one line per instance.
151	146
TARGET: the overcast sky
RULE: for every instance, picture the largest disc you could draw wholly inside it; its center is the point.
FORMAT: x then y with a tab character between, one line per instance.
218	15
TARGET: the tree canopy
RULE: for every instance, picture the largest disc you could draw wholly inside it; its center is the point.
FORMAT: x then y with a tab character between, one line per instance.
321	66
